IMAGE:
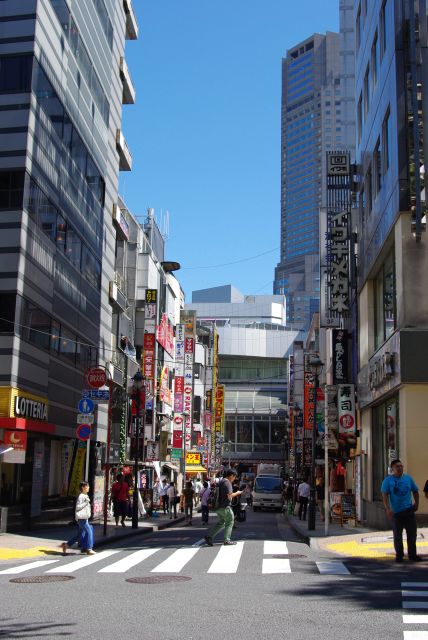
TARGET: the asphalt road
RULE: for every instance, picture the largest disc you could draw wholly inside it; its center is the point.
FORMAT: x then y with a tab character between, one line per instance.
269	586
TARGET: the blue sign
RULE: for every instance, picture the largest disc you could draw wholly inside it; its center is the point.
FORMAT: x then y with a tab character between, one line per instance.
86	405
101	394
83	431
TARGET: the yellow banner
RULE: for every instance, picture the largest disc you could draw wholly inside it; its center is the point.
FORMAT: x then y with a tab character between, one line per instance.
78	470
193	458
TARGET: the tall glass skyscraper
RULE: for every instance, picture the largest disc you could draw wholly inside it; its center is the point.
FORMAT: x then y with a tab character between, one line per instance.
315	80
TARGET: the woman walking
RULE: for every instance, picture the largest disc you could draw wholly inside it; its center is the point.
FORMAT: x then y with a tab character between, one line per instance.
86	530
188	493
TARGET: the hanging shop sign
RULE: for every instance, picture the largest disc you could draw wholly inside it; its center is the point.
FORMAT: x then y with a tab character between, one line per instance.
165	334
340	356
346	408
29	408
152	451
17	442
309	397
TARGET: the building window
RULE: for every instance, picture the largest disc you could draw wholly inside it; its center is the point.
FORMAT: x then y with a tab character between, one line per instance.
358	28
386	141
7	306
368	191
385	445
385	301
12	189
383	28
375	61
360	118
36	325
377	169
367	91
15	73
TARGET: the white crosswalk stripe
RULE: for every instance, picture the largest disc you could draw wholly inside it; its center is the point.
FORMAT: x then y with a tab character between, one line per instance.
227	559
416	635
130	561
415	590
27	567
176	561
217	560
71	567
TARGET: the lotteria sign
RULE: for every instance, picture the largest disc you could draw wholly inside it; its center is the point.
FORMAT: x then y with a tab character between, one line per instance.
27	408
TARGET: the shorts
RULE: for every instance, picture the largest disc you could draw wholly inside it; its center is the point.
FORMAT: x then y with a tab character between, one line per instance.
120	509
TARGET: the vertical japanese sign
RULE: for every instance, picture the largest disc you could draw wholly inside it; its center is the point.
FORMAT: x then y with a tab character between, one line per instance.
179	369
309	397
212	440
340	356
335	241
149	366
188	319
219	420
346	408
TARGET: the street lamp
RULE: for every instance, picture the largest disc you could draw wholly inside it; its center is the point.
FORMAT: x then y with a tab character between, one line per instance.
315	366
138	396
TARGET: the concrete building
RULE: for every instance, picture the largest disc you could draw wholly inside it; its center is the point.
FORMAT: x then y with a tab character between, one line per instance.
316	116
391	95
63	81
254	345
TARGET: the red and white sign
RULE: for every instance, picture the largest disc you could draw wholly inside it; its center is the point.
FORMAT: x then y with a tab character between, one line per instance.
15	439
165	334
96	377
346	408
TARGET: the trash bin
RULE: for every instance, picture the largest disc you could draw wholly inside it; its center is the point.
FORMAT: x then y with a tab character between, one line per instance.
3	519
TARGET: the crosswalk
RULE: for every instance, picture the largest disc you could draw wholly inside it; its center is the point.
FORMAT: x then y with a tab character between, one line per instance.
262	557
415	596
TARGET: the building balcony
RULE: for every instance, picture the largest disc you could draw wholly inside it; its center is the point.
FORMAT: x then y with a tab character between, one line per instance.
128	96
116	293
125	156
131	21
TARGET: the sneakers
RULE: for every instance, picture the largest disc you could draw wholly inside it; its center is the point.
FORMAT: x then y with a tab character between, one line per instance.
64	547
90	552
229	543
208	541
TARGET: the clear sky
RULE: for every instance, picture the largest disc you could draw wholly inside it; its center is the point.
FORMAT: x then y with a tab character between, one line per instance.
205	130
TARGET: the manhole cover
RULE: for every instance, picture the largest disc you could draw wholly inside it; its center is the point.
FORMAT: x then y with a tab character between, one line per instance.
33	579
289	556
158	579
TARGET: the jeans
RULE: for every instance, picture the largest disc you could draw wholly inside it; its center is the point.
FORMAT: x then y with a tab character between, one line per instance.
225	519
205	513
165	501
404	520
303	507
172	504
85	535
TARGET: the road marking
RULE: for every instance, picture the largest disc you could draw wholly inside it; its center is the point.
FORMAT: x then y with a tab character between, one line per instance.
227	559
82	563
333	567
414	604
199	542
414	593
176	561
130	561
27	567
276	565
272	547
421	619
415	635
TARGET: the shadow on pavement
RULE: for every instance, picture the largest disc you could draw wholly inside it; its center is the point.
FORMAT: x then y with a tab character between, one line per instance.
11	629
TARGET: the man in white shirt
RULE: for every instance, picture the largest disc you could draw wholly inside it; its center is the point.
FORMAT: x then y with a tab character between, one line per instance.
163	495
303	492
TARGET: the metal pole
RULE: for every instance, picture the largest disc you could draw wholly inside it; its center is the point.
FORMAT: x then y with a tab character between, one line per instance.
139	427
312	497
326	474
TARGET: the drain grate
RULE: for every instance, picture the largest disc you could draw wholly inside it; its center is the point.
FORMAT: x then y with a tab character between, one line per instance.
289	556
158	579
38	579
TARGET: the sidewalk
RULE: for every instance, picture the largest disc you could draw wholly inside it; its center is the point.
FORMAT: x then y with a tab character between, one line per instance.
354	542
45	541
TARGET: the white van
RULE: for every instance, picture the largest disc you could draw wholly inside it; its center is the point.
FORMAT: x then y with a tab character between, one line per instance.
267	493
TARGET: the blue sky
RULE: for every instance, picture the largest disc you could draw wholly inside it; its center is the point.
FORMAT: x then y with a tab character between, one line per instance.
205	130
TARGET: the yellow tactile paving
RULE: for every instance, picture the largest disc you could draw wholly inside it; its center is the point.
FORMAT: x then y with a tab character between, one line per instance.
7	553
378	550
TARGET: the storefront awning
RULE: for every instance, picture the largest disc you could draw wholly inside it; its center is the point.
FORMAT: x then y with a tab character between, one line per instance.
170	465
195	468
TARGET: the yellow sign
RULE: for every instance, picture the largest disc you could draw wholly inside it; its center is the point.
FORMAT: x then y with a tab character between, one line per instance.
78	469
193	458
15	403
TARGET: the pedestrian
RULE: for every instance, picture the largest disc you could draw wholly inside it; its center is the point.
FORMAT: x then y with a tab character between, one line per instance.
120	497
188	495
85	534
236	501
172	500
198	488
248	494
204	495
224	511
303	493
397	490
163	493
319	487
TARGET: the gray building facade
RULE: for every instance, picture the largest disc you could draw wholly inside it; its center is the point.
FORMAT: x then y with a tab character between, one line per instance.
63	80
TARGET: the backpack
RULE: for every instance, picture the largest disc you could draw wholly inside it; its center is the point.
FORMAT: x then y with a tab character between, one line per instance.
214	498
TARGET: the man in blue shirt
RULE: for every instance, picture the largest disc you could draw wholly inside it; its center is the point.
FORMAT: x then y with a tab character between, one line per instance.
397	490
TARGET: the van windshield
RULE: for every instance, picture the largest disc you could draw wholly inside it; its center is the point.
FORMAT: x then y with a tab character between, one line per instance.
268	485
